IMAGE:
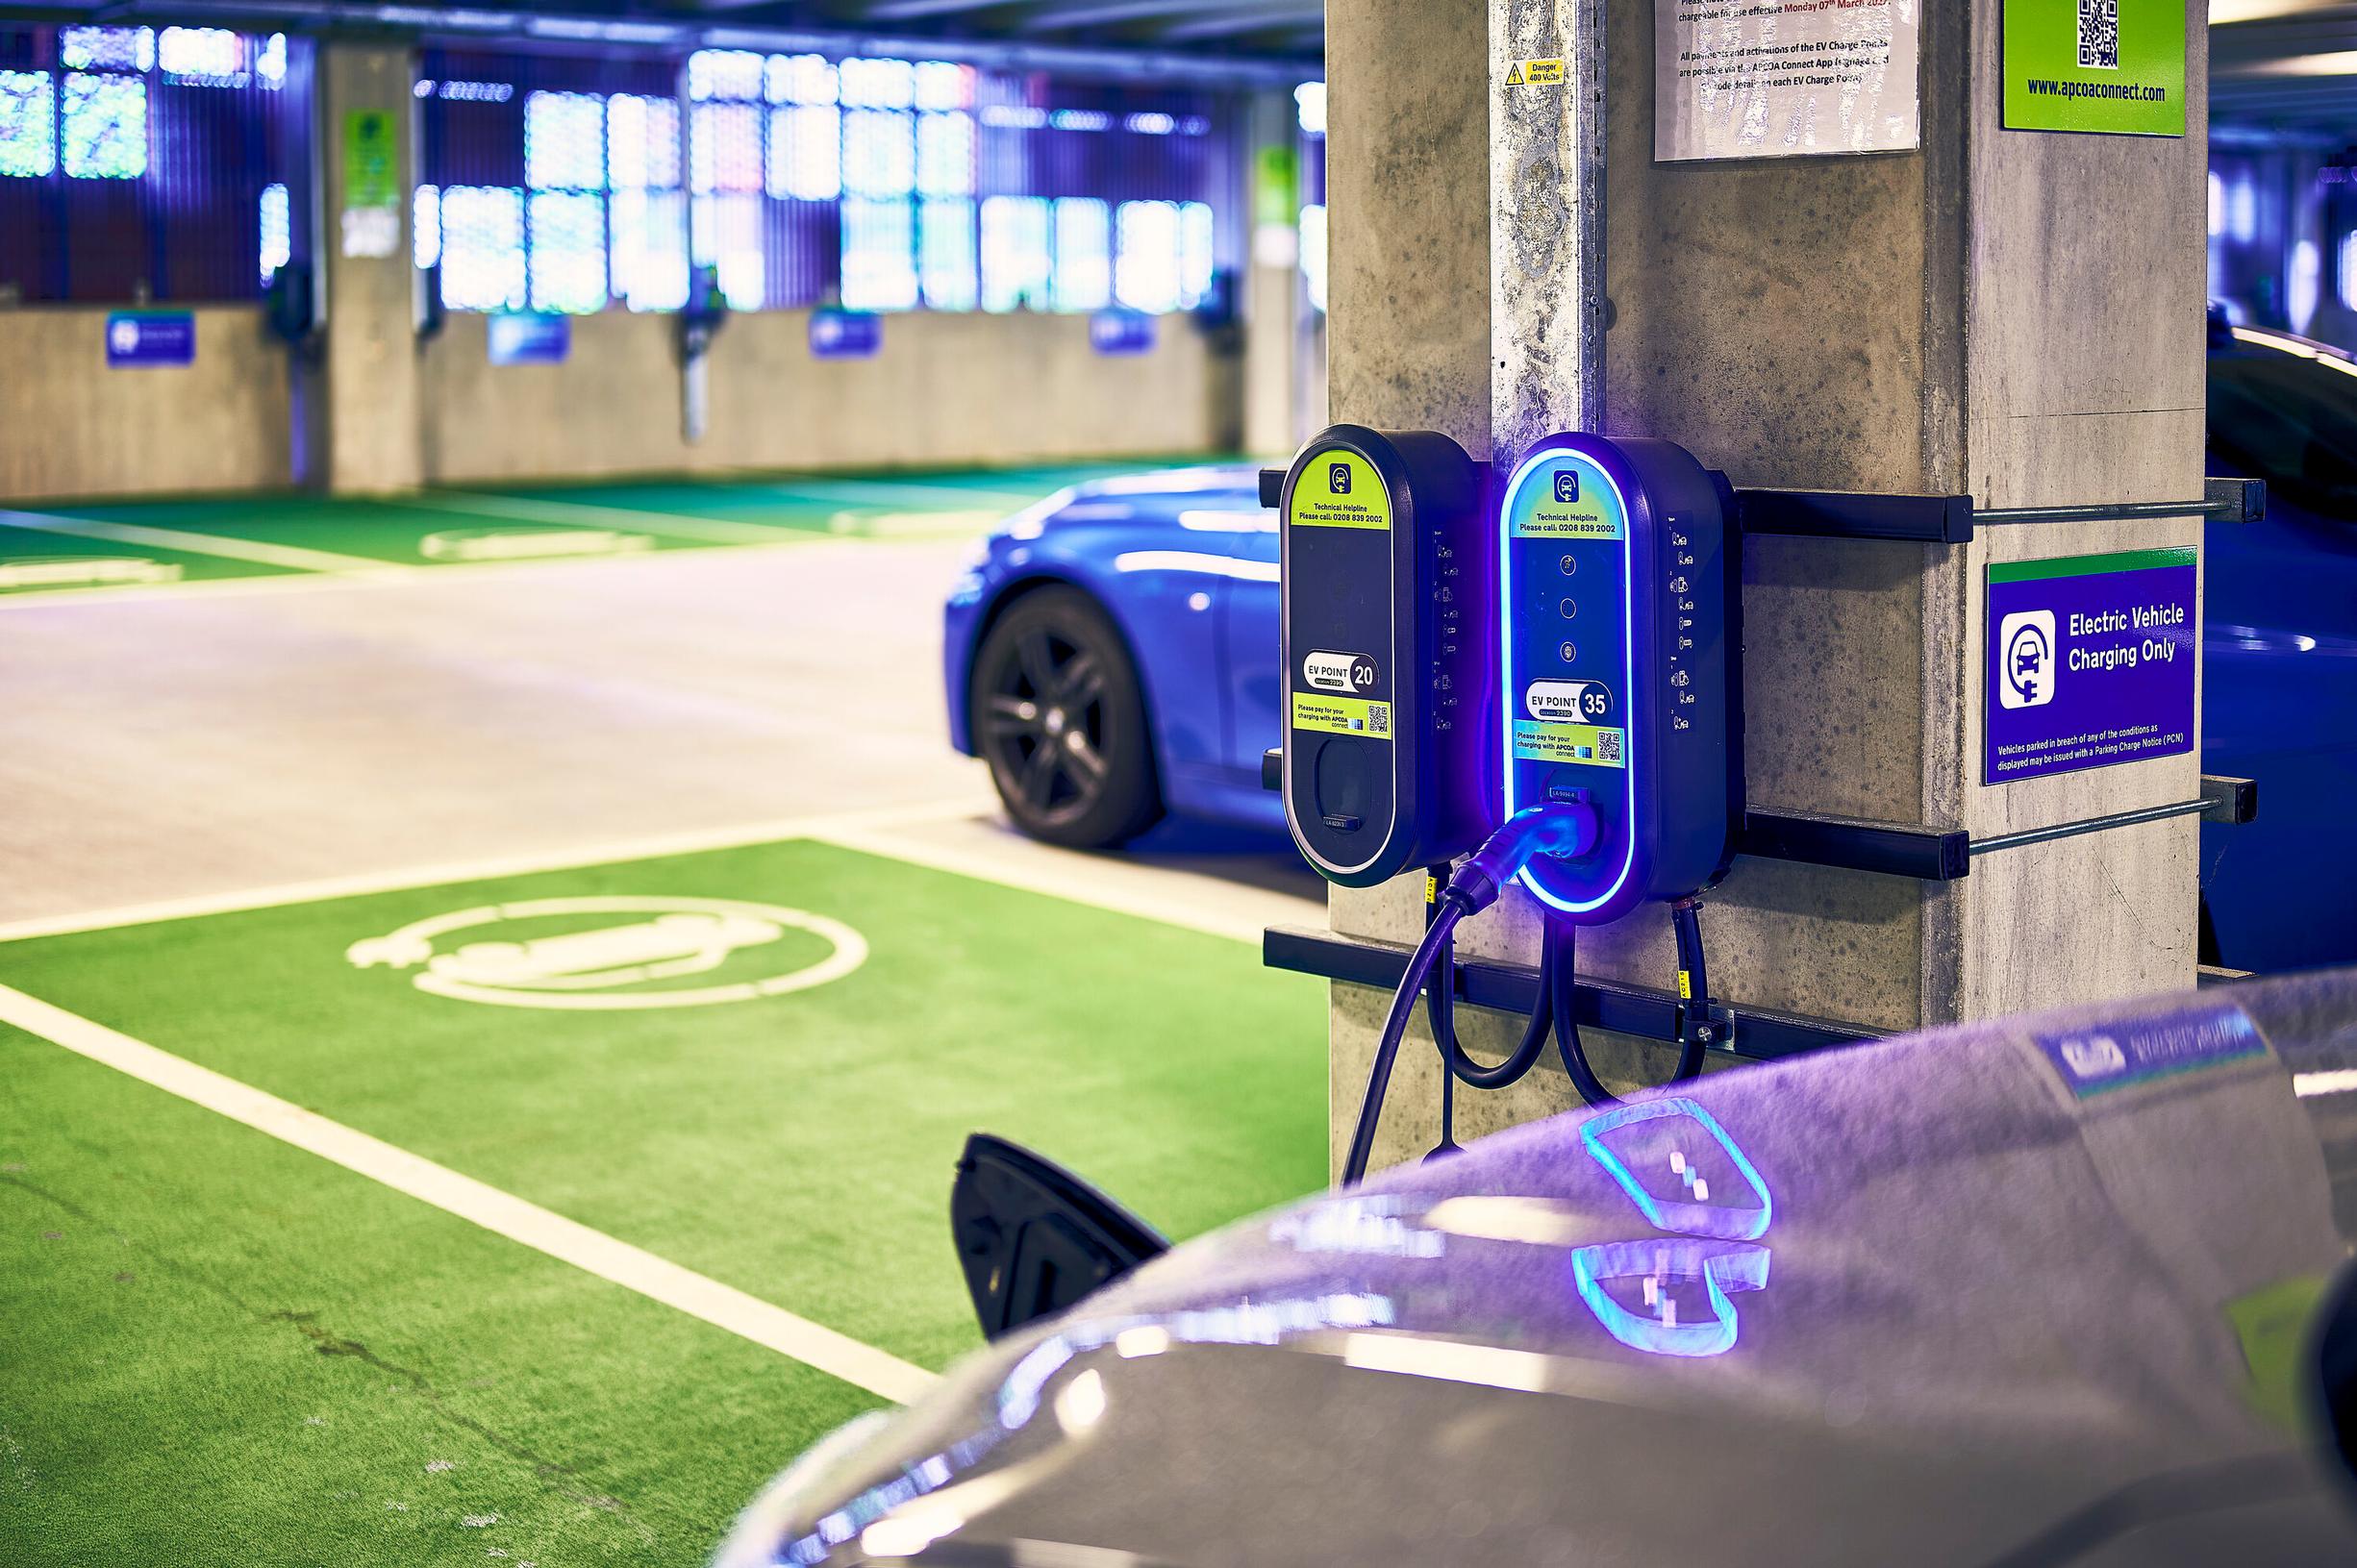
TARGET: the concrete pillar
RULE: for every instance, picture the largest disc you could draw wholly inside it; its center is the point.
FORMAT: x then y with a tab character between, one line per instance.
1271	274
2012	315
367	400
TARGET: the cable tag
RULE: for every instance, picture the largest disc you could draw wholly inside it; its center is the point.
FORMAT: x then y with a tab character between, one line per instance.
1432	888
1686	987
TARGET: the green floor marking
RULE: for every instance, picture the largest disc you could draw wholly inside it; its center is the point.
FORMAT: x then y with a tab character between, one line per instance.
33	561
798	1146
583	519
224	1350
397	532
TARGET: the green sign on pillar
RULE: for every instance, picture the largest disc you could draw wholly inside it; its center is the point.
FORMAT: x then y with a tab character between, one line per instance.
1277	184
371	159
2106	65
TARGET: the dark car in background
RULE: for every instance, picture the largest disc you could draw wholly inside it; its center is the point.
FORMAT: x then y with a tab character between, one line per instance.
1112	651
2279	652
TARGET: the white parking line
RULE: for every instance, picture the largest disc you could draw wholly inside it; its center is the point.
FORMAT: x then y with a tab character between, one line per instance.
613	852
291	556
889	493
502	1213
1171	896
534	510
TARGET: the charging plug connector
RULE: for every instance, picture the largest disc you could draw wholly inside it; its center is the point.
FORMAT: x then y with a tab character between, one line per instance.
1552	827
1565	828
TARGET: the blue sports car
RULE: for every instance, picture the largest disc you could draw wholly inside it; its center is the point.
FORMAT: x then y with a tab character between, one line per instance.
1112	653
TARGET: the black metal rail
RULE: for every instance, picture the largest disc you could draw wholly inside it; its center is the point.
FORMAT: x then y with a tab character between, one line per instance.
1754	1034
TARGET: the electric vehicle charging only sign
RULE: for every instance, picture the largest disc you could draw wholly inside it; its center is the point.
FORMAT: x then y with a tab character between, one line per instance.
2091	661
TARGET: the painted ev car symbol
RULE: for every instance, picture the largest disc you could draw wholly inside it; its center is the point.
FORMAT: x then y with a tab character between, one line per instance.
618	965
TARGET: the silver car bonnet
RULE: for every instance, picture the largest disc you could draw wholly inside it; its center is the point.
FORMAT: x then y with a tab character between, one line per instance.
2028	1291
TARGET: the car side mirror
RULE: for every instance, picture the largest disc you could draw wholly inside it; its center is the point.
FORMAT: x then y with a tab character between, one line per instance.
1034	1239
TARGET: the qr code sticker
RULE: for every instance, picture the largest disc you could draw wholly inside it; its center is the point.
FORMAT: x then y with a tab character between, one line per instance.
1608	745
2100	35
1378	719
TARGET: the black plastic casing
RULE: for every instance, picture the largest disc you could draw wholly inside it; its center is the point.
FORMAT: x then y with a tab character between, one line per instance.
1387	701
1651	617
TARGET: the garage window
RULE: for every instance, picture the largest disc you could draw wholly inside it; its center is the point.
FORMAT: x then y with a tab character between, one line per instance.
136	163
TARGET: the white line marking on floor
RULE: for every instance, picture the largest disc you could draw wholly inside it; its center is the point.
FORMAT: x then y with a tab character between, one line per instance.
502	1213
534	510
396	576
890	493
2339	1081
205	544
1188	900
613	852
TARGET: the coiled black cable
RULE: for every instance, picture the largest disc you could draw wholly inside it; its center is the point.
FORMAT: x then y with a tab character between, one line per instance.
1457	1063
1563	992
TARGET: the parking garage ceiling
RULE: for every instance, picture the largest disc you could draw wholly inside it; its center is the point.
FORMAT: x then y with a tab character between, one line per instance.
2284	66
1279	39
2282	69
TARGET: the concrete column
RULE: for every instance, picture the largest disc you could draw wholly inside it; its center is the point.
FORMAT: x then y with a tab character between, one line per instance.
366	397
1272	278
2014	315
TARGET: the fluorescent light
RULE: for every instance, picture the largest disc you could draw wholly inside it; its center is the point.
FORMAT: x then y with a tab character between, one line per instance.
2224	11
2343	62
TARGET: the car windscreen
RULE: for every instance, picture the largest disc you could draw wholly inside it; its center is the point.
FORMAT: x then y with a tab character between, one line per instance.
2293	421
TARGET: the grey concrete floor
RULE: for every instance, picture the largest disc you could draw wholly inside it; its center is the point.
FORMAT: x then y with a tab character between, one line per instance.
199	744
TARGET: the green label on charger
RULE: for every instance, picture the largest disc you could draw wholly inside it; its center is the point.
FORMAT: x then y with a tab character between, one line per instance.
2107	66
1341	715
1568	497
1541	741
1340	490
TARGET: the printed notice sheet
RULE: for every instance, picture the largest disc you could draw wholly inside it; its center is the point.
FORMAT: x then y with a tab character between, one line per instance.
1783	78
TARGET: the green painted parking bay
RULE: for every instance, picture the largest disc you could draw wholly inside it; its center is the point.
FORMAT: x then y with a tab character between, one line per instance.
225	1351
756	1063
428	529
36	559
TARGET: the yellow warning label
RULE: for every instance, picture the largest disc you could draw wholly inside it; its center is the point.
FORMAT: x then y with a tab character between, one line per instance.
1513	74
1536	73
1686	987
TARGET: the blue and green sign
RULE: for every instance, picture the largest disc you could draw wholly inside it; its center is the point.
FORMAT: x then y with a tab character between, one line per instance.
2104	65
2091	664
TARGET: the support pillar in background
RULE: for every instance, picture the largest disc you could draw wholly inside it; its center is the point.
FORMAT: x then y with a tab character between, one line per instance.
2017	316
1271	275
367	400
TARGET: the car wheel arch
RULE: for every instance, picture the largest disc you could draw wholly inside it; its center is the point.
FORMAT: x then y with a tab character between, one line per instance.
1018	589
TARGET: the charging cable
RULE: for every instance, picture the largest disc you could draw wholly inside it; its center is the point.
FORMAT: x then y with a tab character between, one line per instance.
1694	1029
1555	828
1458	1065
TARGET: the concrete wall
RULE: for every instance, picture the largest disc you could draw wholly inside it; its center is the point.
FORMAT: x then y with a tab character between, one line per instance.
945	388
69	425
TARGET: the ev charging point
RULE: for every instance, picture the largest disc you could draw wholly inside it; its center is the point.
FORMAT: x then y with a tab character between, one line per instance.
1384	581
1617	639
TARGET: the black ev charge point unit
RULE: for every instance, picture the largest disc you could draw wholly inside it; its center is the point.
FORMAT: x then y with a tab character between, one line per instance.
1617	642
1384	577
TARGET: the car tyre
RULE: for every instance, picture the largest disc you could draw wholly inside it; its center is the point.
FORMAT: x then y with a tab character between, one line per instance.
1059	714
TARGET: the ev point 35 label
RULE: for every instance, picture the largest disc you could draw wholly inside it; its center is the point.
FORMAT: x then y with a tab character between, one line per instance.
2091	662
